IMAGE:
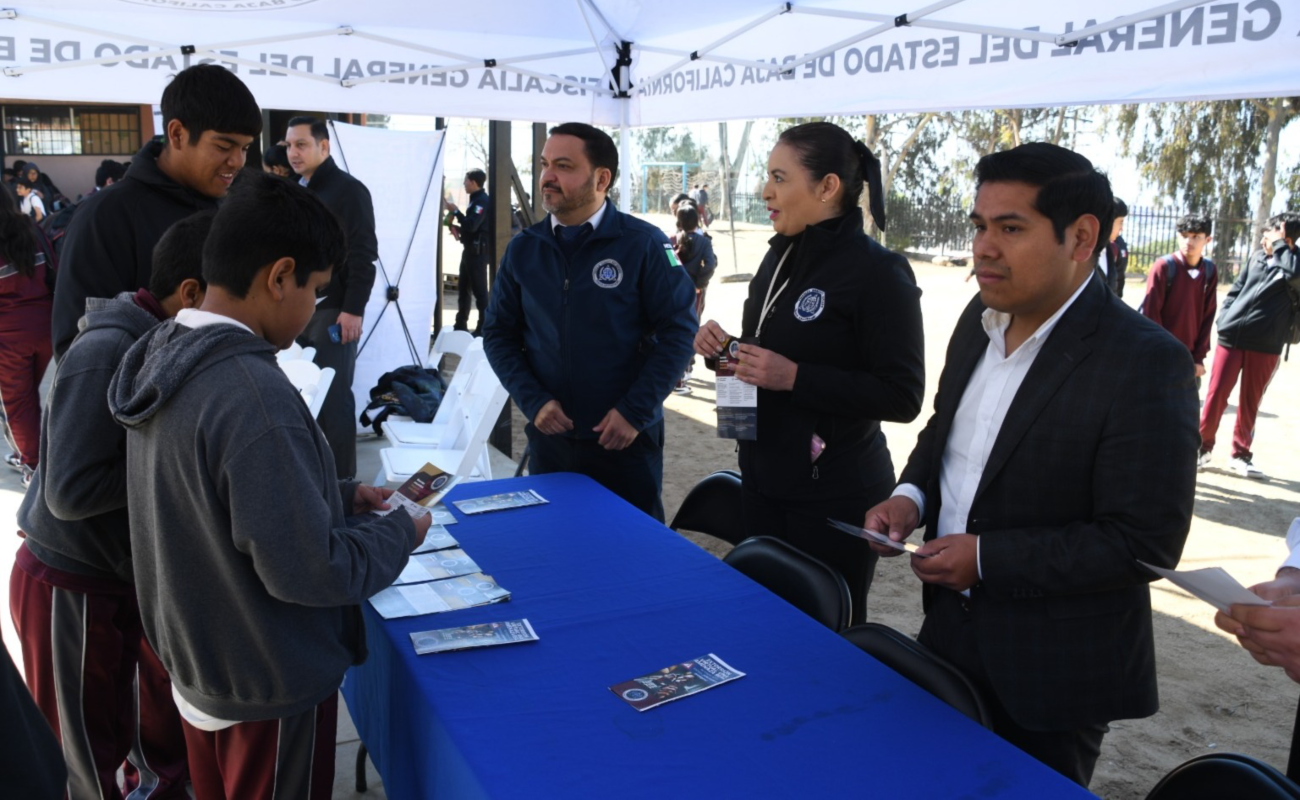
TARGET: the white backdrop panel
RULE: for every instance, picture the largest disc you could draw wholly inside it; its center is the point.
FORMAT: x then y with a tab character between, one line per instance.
403	171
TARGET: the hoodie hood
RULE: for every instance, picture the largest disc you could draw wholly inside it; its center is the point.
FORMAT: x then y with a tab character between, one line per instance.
118	313
166	358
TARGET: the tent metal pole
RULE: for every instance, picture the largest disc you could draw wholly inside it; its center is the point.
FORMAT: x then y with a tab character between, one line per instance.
440	124
500	170
873	32
625	158
783	8
740	62
539	141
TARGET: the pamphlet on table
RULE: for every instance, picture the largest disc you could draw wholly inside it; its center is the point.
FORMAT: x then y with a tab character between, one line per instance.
675	682
422	490
453	594
437	538
499	502
436	566
465	637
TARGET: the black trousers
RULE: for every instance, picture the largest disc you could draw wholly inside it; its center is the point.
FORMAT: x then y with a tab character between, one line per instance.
473	282
338	415
949	631
635	473
802	523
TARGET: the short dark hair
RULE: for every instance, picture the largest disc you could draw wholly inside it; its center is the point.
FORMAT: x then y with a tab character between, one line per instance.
25	181
319	130
688	217
206	97
178	256
1121	208
263	219
679	197
277	155
108	168
477	175
1290	222
1195	223
597	145
824	148
1069	186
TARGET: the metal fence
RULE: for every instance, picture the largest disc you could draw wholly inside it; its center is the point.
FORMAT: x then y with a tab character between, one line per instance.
942	226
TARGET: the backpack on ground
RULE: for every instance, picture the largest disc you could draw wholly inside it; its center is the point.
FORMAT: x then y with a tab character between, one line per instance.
411	391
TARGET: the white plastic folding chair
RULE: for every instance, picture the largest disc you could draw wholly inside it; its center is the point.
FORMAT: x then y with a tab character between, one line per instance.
453	342
405	432
311	381
296	352
462	444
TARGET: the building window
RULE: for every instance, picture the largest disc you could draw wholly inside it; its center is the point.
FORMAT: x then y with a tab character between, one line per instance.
40	130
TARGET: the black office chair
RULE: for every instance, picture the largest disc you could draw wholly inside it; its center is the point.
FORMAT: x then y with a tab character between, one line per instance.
713	507
796	577
1220	775
918	664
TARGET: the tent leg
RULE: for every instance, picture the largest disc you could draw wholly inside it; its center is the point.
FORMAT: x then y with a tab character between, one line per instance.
625	162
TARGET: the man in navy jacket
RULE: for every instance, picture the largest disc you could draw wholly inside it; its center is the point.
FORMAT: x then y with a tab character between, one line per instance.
590	324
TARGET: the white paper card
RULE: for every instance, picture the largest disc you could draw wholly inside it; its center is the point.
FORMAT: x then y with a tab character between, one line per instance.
1212	584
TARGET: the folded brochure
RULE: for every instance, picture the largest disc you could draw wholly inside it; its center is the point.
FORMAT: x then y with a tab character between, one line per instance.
873	536
675	682
452	594
1212	584
465	637
436	566
436	538
499	502
423	490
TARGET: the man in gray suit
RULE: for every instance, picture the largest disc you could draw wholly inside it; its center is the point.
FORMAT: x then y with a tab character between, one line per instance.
1061	451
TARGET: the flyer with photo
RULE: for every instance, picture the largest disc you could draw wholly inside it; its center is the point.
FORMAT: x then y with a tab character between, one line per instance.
499	502
437	538
675	682
452	594
487	634
422	491
436	566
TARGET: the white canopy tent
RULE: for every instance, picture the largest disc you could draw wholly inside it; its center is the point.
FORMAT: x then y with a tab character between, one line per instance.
650	62
674	62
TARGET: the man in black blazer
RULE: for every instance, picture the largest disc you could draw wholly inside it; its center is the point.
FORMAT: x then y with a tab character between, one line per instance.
335	328
1061	450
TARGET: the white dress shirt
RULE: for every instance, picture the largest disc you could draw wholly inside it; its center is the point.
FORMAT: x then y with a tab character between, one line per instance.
594	219
1293	544
983	407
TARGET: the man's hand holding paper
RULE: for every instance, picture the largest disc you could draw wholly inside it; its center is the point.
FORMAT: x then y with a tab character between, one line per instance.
897	517
949	561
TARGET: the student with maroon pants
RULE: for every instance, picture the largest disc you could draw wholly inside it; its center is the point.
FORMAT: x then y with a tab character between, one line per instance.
26	274
71	592
1254	326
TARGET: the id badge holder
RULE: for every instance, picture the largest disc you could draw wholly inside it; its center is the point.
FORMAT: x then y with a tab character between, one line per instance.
737	401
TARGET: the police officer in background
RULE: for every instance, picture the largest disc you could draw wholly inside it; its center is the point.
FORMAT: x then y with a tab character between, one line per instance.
475	225
591	323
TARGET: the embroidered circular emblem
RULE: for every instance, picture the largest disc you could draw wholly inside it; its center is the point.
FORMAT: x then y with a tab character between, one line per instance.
733	350
607	274
635	695
439	482
810	305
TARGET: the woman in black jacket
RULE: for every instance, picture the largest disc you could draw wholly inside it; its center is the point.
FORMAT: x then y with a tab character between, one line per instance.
837	323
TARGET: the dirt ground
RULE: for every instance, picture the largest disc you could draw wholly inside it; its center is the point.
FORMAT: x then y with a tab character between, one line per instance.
1213	696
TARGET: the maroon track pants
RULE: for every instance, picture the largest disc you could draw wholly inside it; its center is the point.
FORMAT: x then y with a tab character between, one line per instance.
1256	370
290	758
24	355
97	682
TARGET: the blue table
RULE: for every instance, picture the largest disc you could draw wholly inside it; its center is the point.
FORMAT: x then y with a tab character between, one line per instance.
614	595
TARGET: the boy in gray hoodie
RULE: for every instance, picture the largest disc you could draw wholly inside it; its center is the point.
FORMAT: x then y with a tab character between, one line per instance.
71	589
248	574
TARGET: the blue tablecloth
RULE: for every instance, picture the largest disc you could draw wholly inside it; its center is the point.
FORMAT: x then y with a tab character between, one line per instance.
615	595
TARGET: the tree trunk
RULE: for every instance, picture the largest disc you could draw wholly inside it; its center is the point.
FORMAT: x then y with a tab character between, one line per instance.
1268	180
1060	126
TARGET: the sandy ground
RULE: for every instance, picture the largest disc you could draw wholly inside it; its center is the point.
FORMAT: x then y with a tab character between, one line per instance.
1213	696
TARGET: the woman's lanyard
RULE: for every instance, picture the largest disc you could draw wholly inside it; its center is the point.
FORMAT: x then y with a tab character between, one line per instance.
769	299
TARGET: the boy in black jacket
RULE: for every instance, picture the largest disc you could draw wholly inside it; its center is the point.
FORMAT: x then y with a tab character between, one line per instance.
209	120
1254	324
72	590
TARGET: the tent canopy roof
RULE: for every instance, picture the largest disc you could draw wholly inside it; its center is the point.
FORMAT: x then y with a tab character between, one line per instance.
520	59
